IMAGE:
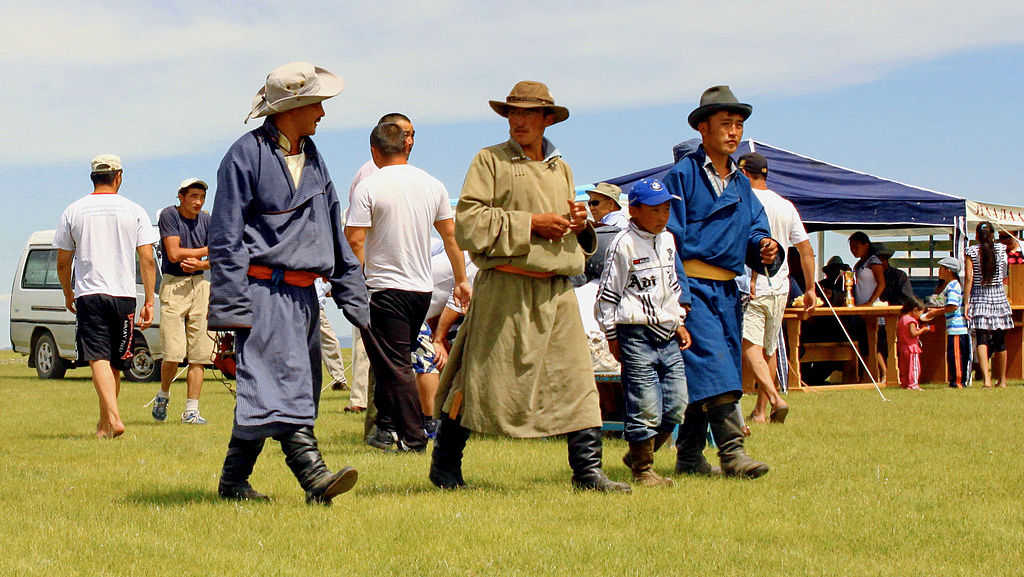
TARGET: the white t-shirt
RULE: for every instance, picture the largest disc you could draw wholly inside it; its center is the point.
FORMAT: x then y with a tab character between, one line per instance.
104	231
788	230
400	204
365	170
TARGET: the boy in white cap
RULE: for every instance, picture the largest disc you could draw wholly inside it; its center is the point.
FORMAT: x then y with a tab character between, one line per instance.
958	338
276	227
184	298
102	232
638	310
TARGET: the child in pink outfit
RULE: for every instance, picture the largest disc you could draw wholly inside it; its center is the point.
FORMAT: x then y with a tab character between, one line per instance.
908	333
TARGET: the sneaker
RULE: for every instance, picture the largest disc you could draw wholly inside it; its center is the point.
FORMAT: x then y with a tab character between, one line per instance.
160	409
192	418
430	426
383	440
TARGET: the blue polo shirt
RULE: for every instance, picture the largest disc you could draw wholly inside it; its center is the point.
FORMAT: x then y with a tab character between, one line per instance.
192	233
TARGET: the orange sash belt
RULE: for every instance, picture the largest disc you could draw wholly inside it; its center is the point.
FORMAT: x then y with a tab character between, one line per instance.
300	278
530	273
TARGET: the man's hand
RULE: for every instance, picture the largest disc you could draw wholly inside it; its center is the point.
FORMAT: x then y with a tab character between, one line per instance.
440	351
463	293
769	248
549	226
146	316
684	338
577	216
613	348
810	300
190	265
69	303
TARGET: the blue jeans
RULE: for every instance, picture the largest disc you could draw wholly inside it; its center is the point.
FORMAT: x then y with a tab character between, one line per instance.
653	381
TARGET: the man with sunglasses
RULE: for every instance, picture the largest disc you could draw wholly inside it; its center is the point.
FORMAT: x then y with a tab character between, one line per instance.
604	205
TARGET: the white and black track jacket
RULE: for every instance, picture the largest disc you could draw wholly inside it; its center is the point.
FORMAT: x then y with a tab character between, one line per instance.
639	284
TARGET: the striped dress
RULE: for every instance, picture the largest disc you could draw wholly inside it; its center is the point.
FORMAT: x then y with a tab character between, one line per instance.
989	308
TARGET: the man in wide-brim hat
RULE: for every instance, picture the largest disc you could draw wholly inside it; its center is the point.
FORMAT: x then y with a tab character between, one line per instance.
276	227
719	226
521	365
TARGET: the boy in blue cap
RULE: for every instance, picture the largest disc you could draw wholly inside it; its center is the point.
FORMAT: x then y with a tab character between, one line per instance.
638	310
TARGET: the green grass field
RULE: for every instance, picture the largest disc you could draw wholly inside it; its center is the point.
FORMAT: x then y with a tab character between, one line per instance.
925	484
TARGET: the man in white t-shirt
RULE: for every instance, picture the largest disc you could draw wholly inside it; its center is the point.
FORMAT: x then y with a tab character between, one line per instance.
101	233
389	222
762	318
361	393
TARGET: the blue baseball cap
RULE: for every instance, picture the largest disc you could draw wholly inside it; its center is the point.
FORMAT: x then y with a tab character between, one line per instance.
649	191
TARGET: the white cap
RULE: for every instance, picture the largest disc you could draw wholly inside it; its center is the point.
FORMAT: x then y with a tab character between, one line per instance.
192	183
106	163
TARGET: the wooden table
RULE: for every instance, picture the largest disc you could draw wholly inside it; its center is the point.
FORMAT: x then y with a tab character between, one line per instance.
891	314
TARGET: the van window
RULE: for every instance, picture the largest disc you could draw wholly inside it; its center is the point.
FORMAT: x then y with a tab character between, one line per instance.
41	270
138	269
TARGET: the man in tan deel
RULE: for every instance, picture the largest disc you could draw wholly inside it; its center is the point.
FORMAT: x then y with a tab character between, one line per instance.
520	365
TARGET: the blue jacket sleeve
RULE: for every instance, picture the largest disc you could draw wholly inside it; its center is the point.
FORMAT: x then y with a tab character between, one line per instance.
677	226
759	230
230	305
348	286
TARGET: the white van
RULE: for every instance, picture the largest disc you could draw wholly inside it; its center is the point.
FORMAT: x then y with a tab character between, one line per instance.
45	331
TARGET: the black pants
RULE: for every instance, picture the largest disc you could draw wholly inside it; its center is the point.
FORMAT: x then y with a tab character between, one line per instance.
395	320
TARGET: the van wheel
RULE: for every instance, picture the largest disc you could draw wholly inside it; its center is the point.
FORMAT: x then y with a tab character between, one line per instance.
143	366
49	364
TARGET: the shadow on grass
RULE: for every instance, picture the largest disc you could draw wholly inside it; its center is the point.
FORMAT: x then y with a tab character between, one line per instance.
173	497
396	489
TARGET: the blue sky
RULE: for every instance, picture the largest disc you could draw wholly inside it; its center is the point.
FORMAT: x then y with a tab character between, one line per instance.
926	93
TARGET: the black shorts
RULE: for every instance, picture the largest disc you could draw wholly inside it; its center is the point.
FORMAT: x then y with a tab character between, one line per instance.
995	340
104	329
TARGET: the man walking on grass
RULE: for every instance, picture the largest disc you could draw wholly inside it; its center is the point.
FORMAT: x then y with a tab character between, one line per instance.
762	319
388	227
719	225
520	365
275	228
101	233
184	299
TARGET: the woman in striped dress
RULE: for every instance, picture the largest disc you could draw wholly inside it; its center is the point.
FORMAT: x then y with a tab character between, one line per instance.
988	309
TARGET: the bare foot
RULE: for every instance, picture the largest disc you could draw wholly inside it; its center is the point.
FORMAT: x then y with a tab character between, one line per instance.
110	431
756	418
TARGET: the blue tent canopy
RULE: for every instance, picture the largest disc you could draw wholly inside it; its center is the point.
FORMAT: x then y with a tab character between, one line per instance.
832	197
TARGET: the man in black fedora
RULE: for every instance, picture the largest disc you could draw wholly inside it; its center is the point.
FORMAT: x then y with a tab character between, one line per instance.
719	225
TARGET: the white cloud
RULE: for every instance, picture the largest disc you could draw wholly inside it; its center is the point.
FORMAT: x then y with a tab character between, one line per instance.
154	79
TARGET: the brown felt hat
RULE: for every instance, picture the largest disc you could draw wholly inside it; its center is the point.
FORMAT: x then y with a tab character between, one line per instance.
530	94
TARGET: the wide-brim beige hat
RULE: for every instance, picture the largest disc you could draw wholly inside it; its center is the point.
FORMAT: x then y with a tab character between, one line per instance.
610	190
530	94
293	86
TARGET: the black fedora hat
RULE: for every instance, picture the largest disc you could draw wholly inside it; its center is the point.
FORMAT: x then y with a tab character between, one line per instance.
714	99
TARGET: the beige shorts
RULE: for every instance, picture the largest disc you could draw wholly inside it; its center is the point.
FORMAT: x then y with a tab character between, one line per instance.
184	304
762	321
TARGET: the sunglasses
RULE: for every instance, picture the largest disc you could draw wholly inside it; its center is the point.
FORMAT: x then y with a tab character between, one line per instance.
594	202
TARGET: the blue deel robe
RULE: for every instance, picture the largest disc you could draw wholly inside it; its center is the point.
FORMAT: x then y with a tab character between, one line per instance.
726	232
259	217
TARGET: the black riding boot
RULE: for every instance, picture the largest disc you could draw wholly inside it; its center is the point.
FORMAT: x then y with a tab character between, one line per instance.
690	443
238	464
446	460
727	429
585	460
304	459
